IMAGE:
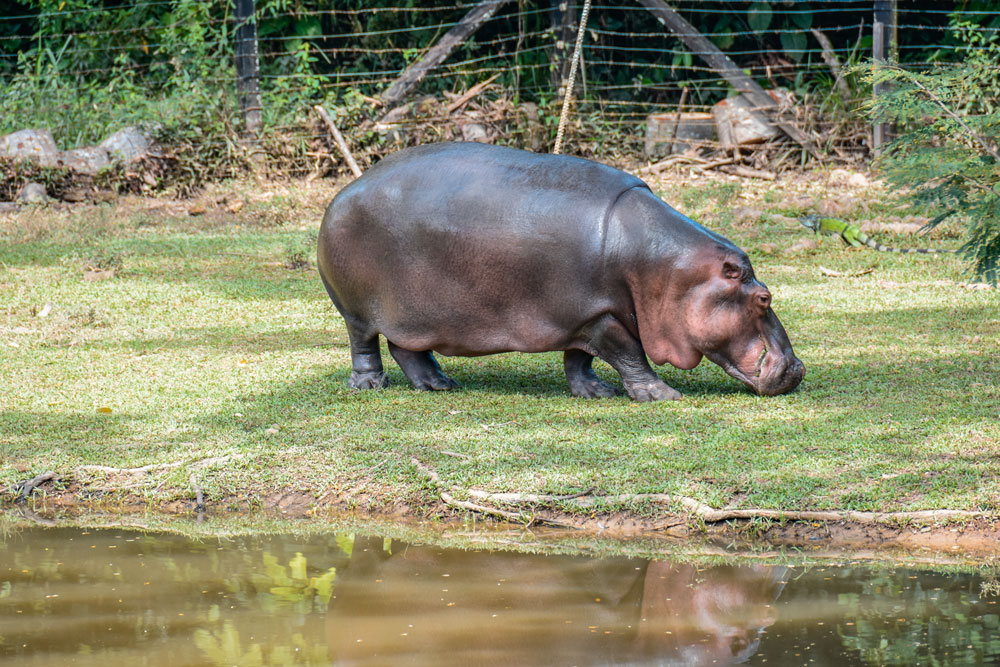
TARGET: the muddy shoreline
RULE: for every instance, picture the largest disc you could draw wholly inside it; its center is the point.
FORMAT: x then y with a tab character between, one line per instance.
977	538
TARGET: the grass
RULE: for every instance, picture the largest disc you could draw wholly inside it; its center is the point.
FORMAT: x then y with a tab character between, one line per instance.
211	340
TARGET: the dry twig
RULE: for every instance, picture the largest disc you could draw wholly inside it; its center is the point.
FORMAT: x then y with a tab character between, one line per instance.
470	93
843	274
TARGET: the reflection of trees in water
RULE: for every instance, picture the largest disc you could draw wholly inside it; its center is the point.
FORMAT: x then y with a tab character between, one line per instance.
919	618
222	646
259	598
292	591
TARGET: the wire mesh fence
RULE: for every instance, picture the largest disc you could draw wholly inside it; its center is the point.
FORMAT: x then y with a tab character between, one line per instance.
83	69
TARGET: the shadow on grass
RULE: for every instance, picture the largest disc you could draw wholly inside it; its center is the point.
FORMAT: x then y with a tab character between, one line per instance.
23	434
229	338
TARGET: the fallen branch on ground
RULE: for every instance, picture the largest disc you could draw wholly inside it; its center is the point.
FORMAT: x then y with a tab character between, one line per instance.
24	489
747	172
695	162
699	509
843	274
451	501
710	515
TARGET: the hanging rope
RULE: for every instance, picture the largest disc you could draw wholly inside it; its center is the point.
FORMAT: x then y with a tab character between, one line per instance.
572	77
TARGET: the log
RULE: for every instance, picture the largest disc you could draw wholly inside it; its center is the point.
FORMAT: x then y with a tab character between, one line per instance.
720	62
416	72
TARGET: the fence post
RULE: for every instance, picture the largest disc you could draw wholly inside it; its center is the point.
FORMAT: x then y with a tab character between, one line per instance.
883	44
564	30
248	66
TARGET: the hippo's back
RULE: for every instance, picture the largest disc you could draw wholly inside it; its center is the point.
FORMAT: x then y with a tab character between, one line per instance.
462	241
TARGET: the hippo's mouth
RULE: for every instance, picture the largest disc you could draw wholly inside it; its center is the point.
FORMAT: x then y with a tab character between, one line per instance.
782	378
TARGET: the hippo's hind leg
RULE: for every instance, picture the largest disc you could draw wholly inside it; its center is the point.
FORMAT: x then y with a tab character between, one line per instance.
613	343
366	358
422	369
366	361
583	382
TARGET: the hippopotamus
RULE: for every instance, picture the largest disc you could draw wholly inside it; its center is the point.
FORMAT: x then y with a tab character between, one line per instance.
472	249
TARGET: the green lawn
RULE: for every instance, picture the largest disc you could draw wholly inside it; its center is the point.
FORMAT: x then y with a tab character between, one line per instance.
206	344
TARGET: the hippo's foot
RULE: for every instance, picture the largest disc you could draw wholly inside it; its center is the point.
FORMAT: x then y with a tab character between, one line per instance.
368	380
435	382
653	390
422	369
592	387
583	382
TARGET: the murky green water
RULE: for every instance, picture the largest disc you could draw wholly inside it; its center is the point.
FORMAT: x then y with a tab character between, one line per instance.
110	597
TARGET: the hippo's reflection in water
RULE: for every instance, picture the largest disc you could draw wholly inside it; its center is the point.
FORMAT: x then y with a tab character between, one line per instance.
427	605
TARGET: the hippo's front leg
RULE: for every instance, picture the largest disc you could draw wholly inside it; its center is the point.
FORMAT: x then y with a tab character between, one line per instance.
613	343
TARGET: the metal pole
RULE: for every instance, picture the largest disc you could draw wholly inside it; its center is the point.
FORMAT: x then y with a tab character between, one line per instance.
248	66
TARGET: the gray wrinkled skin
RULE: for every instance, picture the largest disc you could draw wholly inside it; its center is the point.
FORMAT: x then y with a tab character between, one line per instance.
470	249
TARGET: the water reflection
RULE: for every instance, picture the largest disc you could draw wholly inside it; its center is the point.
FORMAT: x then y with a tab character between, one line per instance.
111	597
505	608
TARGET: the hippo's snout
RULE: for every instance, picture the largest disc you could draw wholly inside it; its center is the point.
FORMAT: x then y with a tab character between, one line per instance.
782	379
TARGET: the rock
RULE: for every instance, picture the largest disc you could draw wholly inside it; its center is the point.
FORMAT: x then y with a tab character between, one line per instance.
74	194
88	160
805	245
35	145
837	207
475	132
97	275
796	202
127	144
8	207
33	193
858	181
786	220
871	226
850	178
746	214
769	248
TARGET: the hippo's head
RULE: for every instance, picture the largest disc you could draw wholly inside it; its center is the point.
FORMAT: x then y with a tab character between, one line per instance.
712	305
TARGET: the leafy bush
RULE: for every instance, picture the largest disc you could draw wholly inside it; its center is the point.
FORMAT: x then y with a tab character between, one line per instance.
946	156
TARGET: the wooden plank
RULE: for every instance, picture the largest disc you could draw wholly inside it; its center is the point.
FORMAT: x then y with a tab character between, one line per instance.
721	63
461	31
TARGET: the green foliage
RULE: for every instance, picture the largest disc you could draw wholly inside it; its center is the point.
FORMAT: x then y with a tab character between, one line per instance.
946	155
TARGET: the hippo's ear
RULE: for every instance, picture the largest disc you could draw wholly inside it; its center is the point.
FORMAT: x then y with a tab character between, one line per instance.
662	326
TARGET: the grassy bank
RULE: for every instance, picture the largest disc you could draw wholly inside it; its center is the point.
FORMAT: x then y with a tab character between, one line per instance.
213	352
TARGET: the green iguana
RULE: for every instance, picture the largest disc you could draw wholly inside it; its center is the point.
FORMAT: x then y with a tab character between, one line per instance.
853	236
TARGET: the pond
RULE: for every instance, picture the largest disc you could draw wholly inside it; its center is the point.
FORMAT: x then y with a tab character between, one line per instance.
113	597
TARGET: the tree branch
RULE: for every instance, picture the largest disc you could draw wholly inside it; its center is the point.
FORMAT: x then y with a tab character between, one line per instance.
938	101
